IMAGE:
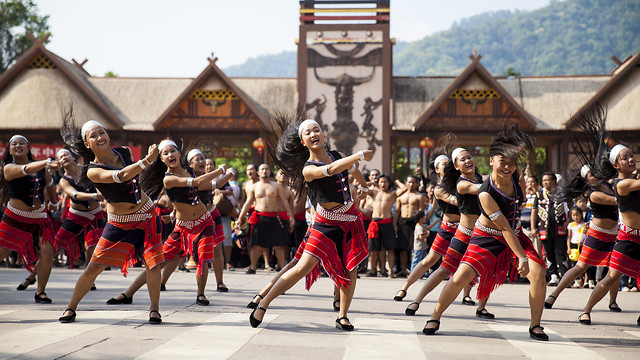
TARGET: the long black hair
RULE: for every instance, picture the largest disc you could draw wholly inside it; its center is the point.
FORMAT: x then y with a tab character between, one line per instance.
151	179
595	151
75	143
513	144
573	189
451	175
284	145
7	158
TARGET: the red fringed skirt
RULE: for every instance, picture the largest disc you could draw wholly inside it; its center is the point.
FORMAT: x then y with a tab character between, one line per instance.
20	231
194	237
491	258
625	257
443	238
79	223
337	239
127	239
597	246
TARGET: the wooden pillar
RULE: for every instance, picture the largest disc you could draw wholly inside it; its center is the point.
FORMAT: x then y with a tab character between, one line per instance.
564	152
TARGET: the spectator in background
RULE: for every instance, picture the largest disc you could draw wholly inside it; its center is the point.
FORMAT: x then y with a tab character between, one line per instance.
531	191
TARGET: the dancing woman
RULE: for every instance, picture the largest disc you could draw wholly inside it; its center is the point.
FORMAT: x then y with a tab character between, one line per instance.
85	219
625	257
194	233
450	218
132	232
497	236
462	178
336	239
26	228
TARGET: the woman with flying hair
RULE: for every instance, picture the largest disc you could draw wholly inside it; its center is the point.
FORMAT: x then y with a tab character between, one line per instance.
498	237
26	227
462	178
194	233
336	239
603	227
132	232
625	256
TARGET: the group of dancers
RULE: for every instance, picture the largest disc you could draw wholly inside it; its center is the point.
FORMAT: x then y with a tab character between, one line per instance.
480	239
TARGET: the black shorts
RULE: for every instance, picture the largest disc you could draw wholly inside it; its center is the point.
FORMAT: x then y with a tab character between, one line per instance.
386	237
269	231
299	231
406	226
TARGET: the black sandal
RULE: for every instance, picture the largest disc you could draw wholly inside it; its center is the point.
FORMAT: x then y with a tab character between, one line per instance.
336	307
25	284
125	300
411	312
538	336
398	297
467	300
252	319
585	321
341	326
484	314
253	305
222	288
42	298
202	302
431	331
614	307
155	319
68	318
549	305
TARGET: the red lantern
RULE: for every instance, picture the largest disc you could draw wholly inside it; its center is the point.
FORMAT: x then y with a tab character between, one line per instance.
258	144
426	143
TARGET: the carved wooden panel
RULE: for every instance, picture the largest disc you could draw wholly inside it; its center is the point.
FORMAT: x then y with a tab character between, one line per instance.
469	114
212	112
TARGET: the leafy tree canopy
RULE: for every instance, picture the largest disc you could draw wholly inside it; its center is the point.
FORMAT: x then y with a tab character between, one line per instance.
17	19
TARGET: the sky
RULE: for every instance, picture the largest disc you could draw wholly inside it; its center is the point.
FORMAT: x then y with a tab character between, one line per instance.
162	38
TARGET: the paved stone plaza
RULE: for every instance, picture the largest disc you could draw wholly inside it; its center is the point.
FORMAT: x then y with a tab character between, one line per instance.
299	324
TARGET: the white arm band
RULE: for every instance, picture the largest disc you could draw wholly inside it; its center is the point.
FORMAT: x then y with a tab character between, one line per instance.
352	169
452	199
50	183
190	182
214	184
325	170
74	195
95	196
361	155
479	186
48	162
24	170
141	164
116	178
495	215
523	260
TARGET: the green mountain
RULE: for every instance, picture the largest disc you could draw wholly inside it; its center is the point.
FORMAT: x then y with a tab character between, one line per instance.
571	37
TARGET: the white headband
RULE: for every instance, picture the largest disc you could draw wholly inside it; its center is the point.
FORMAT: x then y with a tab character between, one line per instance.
193	153
613	155
63	150
89	124
164	143
304	124
438	159
585	170
14	137
456	152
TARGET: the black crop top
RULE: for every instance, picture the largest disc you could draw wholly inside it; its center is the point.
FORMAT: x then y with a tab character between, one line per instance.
446	207
184	194
126	191
510	207
80	188
468	204
628	203
206	196
334	188
600	211
27	188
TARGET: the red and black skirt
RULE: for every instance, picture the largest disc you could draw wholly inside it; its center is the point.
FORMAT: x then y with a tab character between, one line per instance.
23	231
625	257
597	246
443	239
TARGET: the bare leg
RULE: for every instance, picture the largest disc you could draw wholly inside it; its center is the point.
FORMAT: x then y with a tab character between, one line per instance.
43	267
432	282
382	260
281	255
142	279
604	286
420	269
346	296
373	260
460	279
287	280
254	254
568	278
466	291
537	293
218	264
267	289
265	257
86	279
391	256
169	268
153	286
613	292
89	254
227	255
201	280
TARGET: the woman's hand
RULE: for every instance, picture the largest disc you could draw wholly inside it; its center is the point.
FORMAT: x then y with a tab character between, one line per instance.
368	155
152	154
523	268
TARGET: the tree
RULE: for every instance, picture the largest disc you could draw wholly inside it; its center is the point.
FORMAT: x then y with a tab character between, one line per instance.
511	72
17	19
110	74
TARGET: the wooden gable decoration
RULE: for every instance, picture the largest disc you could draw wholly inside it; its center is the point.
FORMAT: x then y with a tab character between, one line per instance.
38	57
212	102
475	101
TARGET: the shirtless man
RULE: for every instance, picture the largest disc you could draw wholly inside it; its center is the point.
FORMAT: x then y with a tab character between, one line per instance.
381	232
408	204
267	227
366	210
282	251
252	174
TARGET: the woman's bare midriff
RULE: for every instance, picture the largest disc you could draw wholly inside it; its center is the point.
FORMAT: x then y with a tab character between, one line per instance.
329	205
186	212
125	208
20	205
